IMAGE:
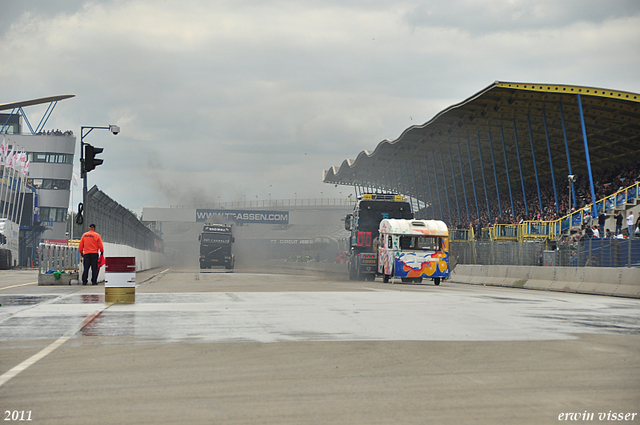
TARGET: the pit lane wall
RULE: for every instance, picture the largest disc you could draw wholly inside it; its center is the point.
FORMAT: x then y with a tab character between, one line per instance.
620	282
145	260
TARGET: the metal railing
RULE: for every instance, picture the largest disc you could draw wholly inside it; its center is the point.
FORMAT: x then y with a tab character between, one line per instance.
118	225
542	230
623	197
270	203
57	257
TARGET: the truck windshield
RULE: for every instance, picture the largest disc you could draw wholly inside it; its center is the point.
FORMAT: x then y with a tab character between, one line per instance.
371	213
424	243
216	239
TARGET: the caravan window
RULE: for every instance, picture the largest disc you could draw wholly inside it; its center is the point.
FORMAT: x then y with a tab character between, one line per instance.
424	243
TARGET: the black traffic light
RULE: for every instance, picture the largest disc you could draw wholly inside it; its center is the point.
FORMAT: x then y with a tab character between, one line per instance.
90	160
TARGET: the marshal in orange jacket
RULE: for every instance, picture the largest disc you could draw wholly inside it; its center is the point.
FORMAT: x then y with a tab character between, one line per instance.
90	243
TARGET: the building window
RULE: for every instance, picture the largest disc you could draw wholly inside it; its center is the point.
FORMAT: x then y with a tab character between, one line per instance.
55	184
54	158
52	214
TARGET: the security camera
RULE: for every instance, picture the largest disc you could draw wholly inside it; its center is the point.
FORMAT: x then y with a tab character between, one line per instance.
572	178
114	129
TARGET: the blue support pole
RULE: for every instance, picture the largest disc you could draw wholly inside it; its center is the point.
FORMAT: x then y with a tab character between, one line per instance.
553	177
524	195
594	212
406	169
7	121
24	116
398	184
415	185
424	194
484	181
455	187
473	180
535	168
566	146
464	186
495	174
446	190
45	117
506	165
426	169
435	173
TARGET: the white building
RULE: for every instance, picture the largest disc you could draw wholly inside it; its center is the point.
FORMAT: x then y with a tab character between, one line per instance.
51	156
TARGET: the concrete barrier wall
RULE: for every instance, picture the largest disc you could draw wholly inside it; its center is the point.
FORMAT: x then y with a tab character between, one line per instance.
145	260
621	282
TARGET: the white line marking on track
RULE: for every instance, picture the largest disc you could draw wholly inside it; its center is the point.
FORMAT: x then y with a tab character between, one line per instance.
16	286
7	376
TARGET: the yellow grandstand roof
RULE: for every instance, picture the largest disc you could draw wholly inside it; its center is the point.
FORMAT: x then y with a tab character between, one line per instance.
510	111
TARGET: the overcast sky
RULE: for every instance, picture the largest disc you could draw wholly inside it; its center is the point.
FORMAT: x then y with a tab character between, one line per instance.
239	99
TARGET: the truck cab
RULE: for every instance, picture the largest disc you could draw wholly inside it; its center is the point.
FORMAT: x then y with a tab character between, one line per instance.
413	250
363	224
215	246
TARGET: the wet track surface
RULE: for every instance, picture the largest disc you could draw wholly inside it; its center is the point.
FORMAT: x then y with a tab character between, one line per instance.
374	312
238	348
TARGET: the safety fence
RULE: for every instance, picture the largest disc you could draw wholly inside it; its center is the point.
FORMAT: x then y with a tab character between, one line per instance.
600	253
497	252
584	253
543	230
57	257
118	225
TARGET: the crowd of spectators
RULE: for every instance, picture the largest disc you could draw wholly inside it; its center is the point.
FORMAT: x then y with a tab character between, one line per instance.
55	133
606	183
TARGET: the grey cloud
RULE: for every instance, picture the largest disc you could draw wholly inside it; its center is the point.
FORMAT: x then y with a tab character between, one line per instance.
483	17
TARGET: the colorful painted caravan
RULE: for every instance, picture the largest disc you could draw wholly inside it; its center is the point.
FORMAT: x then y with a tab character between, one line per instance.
413	250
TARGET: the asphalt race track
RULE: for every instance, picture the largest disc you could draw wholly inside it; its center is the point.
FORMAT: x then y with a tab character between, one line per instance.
238	348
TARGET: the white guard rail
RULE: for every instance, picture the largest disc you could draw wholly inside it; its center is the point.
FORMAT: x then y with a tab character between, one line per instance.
57	257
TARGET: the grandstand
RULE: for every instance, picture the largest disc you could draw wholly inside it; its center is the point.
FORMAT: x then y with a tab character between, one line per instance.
514	161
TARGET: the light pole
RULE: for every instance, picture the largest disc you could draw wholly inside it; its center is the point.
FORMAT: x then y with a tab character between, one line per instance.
572	179
85	168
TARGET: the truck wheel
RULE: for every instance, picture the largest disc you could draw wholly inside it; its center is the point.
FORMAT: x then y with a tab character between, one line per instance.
370	277
436	281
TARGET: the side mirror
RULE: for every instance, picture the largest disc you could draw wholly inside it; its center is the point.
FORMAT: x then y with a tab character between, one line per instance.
347	222
199	237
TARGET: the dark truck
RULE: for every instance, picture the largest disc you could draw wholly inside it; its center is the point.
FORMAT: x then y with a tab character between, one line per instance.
215	246
369	211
